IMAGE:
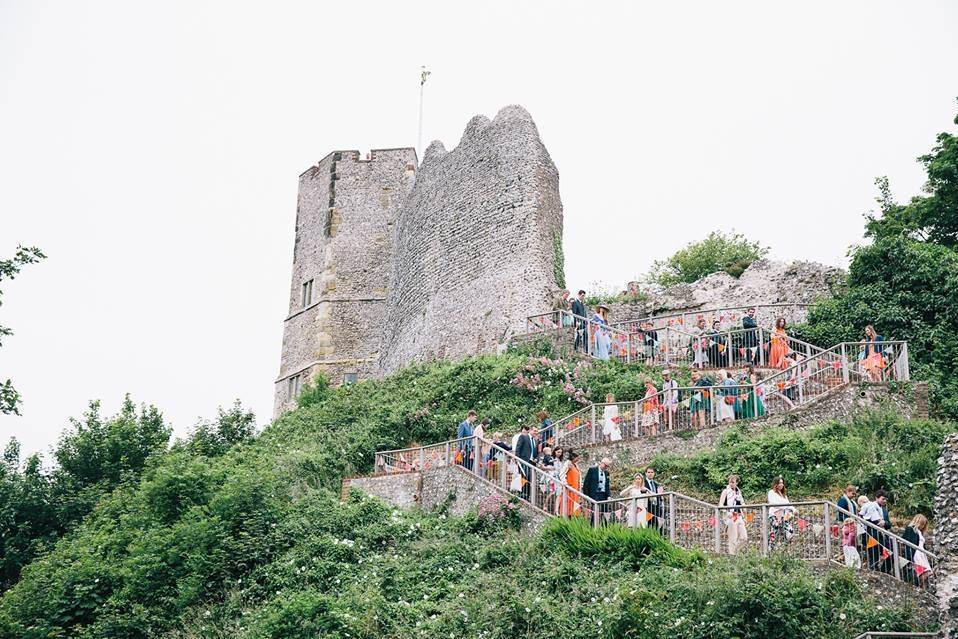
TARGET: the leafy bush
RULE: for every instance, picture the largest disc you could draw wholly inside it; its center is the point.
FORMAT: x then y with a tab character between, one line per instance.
874	451
718	252
231	427
631	546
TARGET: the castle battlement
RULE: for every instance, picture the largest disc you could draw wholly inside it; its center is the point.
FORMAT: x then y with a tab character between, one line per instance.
354	155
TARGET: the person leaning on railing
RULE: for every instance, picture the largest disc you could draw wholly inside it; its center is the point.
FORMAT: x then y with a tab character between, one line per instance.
780	514
560	308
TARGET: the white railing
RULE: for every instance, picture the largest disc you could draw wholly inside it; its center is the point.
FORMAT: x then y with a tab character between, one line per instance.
809	530
729	317
670	345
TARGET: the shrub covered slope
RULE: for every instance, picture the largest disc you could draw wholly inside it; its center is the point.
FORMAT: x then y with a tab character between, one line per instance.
254	542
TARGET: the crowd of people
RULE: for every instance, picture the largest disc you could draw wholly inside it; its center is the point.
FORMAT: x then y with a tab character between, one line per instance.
562	484
708	347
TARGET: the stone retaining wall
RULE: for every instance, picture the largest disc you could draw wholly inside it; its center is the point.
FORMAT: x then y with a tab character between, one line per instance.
946	535
433	488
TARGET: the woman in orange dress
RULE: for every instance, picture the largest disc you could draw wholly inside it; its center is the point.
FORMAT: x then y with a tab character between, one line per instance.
573	478
874	360
779	348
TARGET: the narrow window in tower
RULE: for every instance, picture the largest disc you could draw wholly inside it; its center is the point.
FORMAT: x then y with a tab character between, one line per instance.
307	293
293	387
328	224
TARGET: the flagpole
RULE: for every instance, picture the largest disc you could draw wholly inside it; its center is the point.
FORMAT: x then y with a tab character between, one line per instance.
422	86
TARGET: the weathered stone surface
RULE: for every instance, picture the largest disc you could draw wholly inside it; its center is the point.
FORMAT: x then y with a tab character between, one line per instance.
407	268
433	487
764	282
344	240
946	535
474	243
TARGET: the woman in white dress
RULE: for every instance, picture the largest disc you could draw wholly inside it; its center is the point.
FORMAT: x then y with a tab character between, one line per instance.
637	489
700	356
610	420
915	534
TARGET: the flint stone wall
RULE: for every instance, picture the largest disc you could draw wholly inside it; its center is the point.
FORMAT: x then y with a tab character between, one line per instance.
946	535
432	488
344	241
764	282
842	404
474	243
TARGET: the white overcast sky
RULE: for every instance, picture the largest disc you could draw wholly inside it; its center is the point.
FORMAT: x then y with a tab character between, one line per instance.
152	151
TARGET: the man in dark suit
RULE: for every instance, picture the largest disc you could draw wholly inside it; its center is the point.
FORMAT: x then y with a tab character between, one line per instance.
596	483
526	451
580	313
655	503
750	336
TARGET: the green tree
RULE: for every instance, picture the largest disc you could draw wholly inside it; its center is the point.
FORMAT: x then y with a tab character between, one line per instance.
718	252
9	397
932	217
906	282
28	513
231	427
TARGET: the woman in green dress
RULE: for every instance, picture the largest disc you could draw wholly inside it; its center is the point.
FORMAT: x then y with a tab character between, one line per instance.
752	405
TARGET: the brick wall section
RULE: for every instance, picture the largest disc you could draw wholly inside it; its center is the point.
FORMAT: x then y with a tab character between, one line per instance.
433	487
842	404
946	535
344	241
474	243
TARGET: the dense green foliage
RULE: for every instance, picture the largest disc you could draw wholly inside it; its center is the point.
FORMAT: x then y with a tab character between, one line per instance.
731	253
932	217
906	282
93	457
873	451
559	260
9	397
252	541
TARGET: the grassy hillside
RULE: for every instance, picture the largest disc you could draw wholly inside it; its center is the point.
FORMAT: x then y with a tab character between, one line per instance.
874	451
255	542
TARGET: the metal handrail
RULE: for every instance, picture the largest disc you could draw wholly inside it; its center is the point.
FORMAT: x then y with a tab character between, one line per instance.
689	522
711	312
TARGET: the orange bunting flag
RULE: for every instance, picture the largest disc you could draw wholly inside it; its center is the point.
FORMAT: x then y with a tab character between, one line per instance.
749	517
685	525
871	543
802	524
649	516
523	481
681	320
698	525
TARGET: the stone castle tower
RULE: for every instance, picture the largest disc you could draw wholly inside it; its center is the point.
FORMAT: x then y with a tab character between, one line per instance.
395	263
